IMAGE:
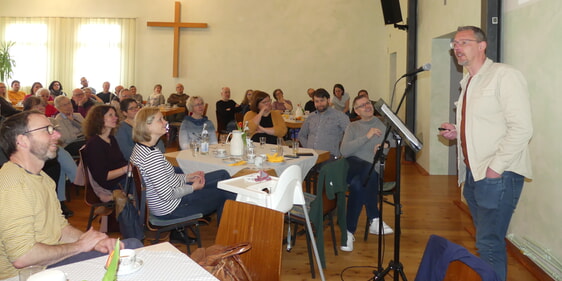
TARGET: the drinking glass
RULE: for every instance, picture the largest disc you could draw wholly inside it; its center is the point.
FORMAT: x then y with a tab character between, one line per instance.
262	141
295	146
280	146
26	272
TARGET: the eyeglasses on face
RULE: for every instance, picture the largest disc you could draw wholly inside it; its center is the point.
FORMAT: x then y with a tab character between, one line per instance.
363	105
133	108
461	43
50	129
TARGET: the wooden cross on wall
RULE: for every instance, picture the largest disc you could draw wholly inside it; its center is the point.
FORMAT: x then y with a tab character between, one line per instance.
176	24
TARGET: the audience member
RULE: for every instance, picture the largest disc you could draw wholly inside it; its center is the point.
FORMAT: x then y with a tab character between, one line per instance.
157	98
324	128
33	90
102	154
170	195
56	89
341	99
15	95
360	142
105	95
363	92
129	108
280	102
118	89
493	130
81	103
263	121
226	108
245	104
192	126
85	84
92	96
45	95
309	106
6	108
136	96
33	231
179	98
69	125
60	167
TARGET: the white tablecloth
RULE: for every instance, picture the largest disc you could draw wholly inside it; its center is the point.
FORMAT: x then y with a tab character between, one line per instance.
208	163
160	262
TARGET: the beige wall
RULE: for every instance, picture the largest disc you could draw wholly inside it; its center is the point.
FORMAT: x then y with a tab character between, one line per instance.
249	44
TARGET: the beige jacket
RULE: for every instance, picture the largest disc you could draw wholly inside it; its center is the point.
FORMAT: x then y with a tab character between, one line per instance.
498	122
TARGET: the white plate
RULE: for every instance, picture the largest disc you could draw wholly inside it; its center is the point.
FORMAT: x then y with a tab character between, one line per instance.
220	156
136	267
230	160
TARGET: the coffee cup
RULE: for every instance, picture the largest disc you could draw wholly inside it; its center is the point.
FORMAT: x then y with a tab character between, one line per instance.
221	152
127	259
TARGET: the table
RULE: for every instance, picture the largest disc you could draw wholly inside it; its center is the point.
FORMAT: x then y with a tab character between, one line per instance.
162	261
291	121
207	163
166	111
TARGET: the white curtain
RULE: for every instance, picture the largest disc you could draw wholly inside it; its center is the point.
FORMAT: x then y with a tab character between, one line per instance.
65	49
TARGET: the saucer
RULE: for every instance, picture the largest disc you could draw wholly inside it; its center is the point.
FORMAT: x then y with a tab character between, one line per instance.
136	267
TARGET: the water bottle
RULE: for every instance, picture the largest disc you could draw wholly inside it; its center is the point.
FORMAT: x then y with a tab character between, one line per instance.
204	141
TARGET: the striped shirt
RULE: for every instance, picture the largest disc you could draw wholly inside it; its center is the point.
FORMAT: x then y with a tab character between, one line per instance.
30	213
159	177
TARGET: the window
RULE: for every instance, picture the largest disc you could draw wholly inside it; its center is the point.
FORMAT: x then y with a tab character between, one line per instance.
66	49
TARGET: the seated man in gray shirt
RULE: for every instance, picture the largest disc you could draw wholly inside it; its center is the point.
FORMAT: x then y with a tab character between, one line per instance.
324	128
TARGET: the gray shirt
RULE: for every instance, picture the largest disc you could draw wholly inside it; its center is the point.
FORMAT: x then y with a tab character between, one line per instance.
356	143
324	130
70	130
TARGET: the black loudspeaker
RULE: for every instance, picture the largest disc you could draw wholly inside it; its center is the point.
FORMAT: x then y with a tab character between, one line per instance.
391	11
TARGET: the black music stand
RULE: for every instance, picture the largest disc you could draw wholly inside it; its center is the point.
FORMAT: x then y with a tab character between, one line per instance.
400	132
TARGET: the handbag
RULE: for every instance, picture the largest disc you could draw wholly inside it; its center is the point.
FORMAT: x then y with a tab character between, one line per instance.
224	262
130	219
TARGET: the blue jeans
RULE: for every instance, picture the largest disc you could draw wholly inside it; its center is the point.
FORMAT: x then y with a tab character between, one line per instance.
206	200
359	194
130	243
491	203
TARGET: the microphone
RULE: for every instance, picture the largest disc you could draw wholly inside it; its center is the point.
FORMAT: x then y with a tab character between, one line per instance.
425	67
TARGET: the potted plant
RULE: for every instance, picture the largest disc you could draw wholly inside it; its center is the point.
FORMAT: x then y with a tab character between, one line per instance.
7	64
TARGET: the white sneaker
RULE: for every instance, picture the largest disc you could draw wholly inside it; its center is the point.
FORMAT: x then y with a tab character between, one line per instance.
374	228
349	246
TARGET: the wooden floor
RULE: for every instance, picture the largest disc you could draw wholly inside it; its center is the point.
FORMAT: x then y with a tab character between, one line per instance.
428	208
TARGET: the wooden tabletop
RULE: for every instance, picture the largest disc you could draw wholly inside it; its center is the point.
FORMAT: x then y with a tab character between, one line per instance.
171	110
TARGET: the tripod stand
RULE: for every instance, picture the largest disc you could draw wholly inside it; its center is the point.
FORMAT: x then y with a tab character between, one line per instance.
394	264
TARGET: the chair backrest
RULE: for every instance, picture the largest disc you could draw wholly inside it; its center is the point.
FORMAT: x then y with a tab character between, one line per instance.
140	192
283	196
220	124
263	228
205	110
90	196
390	166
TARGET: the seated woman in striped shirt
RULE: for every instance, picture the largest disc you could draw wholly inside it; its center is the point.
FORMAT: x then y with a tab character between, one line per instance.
170	195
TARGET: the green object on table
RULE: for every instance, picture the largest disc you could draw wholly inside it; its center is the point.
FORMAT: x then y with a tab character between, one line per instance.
111	273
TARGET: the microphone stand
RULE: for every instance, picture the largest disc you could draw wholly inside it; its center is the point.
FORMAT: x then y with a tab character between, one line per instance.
394	264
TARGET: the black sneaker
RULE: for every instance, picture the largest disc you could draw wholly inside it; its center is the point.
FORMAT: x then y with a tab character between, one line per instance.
65	210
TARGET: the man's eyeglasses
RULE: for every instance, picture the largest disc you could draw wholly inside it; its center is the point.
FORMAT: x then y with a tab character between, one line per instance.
363	105
133	108
462	43
50	129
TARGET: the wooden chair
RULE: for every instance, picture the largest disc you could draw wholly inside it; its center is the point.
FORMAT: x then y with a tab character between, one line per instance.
389	182
263	228
153	223
90	196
